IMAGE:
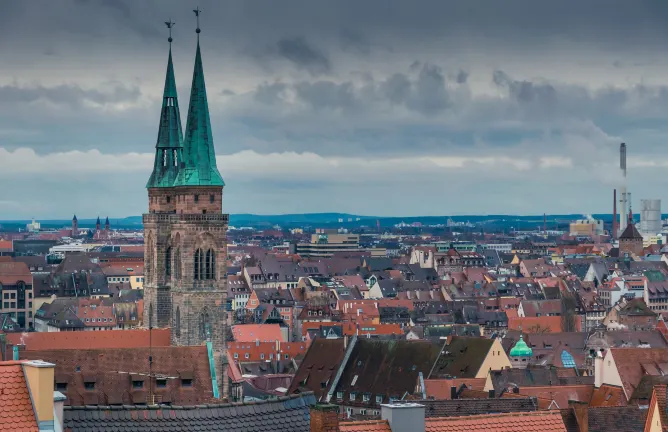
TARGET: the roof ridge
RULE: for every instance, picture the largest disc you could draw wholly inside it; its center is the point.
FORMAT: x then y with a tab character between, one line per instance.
302	395
504	414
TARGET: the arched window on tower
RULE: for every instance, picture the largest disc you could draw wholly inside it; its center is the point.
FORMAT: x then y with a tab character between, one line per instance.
177	322
176	158
204	326
210	264
164	158
168	261
177	263
199	264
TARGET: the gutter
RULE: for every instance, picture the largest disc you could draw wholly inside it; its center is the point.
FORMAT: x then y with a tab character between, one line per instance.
339	372
212	368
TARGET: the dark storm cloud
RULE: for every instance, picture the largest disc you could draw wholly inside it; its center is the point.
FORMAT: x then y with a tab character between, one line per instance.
299	52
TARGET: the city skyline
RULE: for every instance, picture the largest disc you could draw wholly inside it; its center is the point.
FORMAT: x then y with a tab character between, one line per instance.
517	109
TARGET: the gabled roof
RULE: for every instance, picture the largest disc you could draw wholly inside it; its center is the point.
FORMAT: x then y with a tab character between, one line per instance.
284	414
462	357
319	366
633	363
607	396
16	410
385	368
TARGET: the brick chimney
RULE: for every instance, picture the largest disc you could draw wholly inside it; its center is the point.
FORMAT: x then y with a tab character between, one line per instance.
581	411
325	418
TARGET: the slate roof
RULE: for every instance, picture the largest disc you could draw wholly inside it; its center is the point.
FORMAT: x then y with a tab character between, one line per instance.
16	410
468	407
617	419
285	414
544	421
319	366
533	377
630	233
386	368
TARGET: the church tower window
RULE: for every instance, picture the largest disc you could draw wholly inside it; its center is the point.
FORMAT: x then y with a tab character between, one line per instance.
168	262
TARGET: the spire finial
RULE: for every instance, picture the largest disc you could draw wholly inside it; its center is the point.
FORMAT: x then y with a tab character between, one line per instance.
169	25
197	12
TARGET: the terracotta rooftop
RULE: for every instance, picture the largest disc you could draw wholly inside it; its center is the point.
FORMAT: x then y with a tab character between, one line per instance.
633	363
16	411
442	388
365	426
607	395
139	338
539	421
253	332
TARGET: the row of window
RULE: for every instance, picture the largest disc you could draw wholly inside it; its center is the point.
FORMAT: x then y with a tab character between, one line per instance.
99	320
125	279
181	198
12	305
271	356
136	384
366	397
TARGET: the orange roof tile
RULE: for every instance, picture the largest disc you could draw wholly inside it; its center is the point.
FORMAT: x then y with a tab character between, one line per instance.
138	338
254	332
441	388
6	244
543	324
365	426
607	396
538	421
16	412
560	394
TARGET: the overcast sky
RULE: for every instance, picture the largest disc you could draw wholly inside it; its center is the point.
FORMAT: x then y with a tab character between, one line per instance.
384	107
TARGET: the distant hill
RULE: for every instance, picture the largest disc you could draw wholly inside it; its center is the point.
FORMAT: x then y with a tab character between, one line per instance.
330	220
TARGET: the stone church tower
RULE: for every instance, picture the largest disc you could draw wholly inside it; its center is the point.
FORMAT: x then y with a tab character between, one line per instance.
185	231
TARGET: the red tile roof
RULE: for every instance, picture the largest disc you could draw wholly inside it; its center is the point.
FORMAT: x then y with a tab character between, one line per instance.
560	394
607	396
16	411
441	388
365	426
543	324
13	271
539	421
255	332
6	244
633	363
139	338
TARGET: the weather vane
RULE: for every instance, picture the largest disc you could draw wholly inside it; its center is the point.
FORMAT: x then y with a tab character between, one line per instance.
169	25
197	12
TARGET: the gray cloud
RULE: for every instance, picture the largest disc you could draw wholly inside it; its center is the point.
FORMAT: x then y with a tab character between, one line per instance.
378	79
303	55
69	95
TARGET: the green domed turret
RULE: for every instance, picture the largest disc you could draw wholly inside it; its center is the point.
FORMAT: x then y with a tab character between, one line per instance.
521	349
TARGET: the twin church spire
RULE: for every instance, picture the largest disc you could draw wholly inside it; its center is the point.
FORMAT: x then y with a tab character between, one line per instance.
190	161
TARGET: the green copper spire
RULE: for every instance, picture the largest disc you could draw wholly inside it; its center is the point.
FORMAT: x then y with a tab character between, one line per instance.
199	155
169	146
521	349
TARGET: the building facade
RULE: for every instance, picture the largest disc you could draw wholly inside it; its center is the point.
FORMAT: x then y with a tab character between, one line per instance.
185	231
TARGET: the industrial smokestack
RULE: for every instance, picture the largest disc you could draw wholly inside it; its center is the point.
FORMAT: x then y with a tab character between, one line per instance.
614	213
623	199
622	158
